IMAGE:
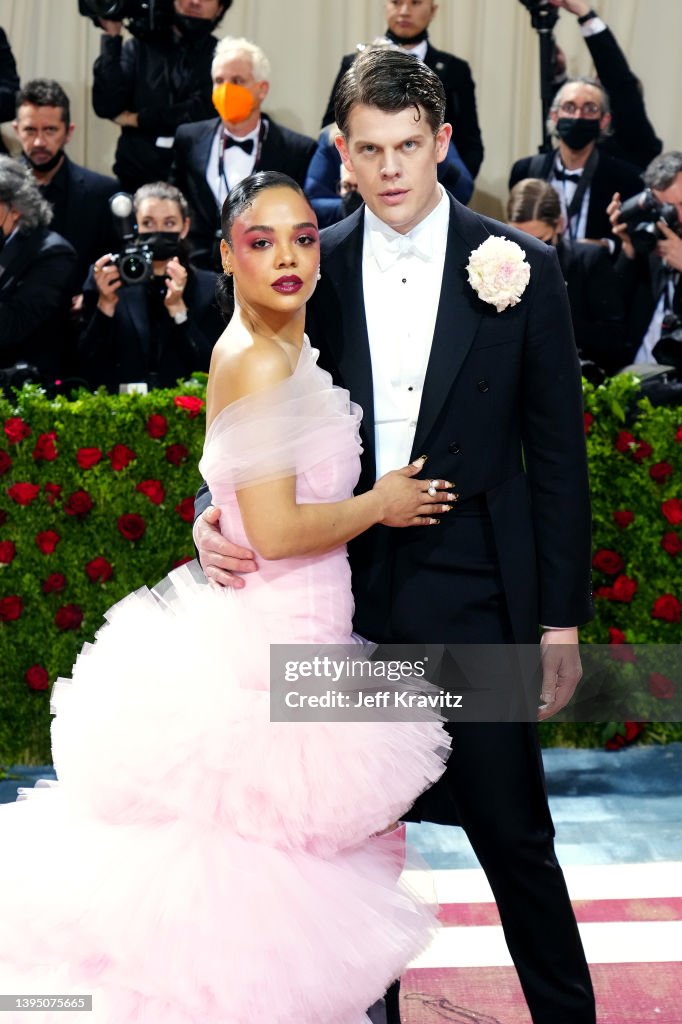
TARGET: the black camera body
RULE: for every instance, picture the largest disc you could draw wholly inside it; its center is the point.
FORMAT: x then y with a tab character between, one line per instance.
642	214
14	377
144	17
134	263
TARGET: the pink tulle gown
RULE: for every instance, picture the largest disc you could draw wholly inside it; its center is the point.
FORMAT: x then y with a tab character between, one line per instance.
196	863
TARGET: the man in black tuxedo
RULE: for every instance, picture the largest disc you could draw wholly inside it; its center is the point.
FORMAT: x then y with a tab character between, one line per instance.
36	268
79	197
211	157
408	22
495	401
583	175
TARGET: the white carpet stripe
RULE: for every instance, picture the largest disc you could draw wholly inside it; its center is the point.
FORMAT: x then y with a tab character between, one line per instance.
607	943
585	882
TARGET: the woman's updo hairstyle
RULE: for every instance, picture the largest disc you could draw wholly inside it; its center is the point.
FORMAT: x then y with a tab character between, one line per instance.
239	199
534	199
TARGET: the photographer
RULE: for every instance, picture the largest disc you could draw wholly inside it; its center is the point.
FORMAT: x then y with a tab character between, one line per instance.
150	86
36	267
651	279
162	328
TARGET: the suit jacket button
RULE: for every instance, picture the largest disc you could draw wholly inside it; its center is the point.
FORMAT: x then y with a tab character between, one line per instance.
454	448
483	386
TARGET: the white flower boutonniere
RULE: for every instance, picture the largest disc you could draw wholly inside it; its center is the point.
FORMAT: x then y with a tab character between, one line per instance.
498	272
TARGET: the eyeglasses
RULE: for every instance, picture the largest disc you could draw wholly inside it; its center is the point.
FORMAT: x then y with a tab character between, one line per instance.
587	110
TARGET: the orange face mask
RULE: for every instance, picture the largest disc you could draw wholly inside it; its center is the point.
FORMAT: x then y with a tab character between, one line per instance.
234	103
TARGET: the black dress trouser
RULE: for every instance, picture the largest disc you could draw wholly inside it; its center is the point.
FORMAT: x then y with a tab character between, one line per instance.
494	787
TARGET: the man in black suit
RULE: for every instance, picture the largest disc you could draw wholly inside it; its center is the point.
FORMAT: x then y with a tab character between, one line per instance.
211	157
583	175
36	268
633	137
79	198
494	399
408	22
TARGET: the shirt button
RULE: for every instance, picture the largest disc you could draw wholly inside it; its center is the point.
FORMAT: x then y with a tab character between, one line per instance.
404	280
454	448
413	423
483	386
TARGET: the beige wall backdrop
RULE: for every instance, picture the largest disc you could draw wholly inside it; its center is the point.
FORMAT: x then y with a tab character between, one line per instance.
305	40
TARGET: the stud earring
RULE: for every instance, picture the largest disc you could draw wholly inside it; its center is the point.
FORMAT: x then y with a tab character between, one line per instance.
319	276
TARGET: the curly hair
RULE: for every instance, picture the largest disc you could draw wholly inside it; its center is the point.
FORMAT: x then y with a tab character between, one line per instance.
19	191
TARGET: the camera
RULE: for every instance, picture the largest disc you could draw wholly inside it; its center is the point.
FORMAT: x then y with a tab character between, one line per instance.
134	263
641	214
144	17
14	377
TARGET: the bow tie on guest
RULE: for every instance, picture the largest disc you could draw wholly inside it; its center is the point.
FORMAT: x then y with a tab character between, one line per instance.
388	250
245	144
562	175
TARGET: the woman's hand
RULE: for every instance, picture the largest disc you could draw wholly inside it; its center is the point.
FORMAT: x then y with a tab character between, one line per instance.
108	282
410	502
176	276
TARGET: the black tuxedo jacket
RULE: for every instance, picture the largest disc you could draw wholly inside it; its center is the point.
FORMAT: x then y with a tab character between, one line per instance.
597	303
36	270
460	102
85	219
611	175
282	150
501	416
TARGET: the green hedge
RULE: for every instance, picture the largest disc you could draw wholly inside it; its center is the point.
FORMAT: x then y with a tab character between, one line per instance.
96	499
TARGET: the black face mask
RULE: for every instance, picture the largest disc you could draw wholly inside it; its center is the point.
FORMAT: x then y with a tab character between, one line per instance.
578	132
193	28
47	165
164	244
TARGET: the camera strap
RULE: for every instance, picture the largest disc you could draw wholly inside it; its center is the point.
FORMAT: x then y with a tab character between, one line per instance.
576	204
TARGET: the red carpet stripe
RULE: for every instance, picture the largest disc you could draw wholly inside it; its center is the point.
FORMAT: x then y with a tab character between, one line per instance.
657	909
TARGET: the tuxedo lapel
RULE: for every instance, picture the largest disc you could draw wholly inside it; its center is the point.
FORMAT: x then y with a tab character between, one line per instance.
348	341
458	319
201	152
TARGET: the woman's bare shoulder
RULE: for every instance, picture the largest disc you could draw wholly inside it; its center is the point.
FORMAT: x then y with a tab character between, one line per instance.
243	366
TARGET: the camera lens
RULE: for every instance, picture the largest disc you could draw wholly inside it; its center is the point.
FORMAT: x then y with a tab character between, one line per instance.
133	268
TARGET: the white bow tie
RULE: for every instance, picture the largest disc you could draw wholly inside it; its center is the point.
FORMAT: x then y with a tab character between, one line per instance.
388	250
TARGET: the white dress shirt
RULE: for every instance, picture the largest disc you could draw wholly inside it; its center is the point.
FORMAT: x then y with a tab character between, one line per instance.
237	164
576	226
401	277
653	334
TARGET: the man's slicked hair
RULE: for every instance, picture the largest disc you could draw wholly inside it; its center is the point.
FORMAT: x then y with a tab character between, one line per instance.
390	80
45	92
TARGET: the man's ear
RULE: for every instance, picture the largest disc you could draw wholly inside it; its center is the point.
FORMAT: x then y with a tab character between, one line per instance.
443	136
69	133
342	146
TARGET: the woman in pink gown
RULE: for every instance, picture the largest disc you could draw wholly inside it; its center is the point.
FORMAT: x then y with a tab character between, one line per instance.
197	863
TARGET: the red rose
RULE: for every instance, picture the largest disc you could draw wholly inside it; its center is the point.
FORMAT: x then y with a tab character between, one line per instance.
78	504
88	457
631	730
47	541
642	451
46	447
8	550
5	462
99	570
622	651
185	509
667	608
121	456
53	491
616	636
37	678
623	518
660	472
678	435
131	526
625	442
24	493
588	420
608	562
11	608
54	584
152	489
661	687
605	592
671	543
16	430
624	589
157	426
672	510
69	616
182	561
191	403
176	454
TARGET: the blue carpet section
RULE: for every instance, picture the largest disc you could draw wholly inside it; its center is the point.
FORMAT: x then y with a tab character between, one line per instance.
609	807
